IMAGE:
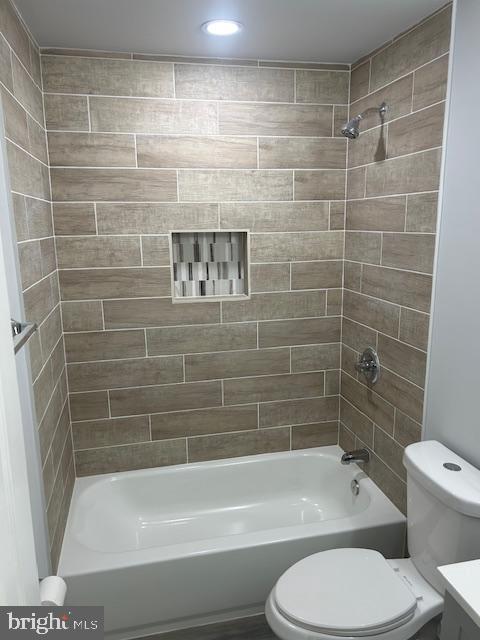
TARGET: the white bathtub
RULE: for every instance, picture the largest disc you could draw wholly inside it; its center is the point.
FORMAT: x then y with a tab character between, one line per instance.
180	546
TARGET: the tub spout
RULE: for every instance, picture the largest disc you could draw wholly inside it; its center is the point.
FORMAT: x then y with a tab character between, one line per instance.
359	456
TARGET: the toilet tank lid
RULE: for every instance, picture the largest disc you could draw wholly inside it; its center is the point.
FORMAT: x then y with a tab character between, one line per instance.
436	468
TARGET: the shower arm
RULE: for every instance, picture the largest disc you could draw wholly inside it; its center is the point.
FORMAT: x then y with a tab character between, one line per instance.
382	110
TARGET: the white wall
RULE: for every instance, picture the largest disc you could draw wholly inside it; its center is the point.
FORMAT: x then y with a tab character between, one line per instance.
452	412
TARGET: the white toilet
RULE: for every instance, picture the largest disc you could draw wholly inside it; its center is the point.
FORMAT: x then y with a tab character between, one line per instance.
357	593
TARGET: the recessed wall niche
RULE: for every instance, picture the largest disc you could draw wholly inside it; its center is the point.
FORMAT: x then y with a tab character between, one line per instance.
208	265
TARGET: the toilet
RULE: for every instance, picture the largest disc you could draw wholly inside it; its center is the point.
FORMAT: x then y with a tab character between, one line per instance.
357	593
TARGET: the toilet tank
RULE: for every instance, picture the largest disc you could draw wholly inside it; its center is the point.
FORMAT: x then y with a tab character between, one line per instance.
443	508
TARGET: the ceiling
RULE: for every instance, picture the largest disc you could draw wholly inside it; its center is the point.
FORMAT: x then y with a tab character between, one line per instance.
299	30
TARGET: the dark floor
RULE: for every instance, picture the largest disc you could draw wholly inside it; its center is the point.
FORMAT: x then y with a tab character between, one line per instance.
253	628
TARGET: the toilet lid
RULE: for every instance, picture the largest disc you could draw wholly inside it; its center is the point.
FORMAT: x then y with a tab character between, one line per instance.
344	592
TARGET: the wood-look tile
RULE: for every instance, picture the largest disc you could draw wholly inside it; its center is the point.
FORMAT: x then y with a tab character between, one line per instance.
302	153
188	152
290	412
270	306
274	387
114	185
109	432
39	218
416	132
402	394
340	117
51	332
275	119
408	251
5	64
124	314
314	435
155	251
368	402
15	121
69	74
28	176
430	83
242	443
133	218
322	87
209	82
133	115
129	457
357	336
393	487
328	184
85	315
363	246
334	302
236	364
39	300
376	214
137	372
400	287
315	357
204	421
378	314
352	275
390	452
370	146
15	32
173	397
66	113
414	328
88	284
200	339
291	247
210	186
398	96
100	251
68	149
275	216
356	182
317	275
269	277
89	406
38	140
337	216
357	422
73	218
26	91
359	81
29	257
104	345
407	431
422	212
298	332
420	45
419	172
408	362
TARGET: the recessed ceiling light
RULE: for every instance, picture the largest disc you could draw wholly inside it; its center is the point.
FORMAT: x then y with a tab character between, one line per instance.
222	27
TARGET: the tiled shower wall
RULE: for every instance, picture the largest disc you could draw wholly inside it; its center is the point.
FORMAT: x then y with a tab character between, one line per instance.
20	85
393	180
139	147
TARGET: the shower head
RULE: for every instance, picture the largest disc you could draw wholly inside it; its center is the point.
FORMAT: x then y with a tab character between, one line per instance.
351	130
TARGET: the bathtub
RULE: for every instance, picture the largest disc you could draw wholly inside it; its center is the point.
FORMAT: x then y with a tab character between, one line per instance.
181	546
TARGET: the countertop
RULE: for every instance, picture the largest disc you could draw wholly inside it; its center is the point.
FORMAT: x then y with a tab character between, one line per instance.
462	581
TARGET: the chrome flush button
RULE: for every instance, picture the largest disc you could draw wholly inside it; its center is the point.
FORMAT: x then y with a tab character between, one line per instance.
451	466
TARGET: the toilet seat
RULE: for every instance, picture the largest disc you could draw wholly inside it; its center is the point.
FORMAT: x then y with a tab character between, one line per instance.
345	593
352	593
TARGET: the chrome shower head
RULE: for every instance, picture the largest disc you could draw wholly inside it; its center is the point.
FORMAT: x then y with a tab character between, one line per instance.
351	130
